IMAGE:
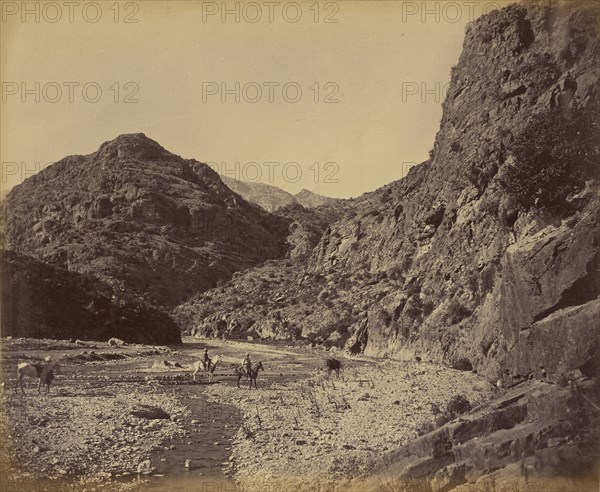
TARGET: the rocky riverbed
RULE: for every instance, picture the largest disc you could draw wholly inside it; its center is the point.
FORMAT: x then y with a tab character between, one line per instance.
320	431
131	416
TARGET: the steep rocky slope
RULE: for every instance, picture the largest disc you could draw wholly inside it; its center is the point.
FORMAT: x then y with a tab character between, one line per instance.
140	219
488	282
44	301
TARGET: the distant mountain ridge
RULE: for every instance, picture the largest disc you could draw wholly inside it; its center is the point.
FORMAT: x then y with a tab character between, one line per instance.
269	197
309	199
272	198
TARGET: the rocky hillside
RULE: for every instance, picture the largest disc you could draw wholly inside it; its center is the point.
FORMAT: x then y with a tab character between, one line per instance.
43	301
280	299
497	271
142	220
485	256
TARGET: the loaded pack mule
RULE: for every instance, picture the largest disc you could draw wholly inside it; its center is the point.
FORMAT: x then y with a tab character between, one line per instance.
45	371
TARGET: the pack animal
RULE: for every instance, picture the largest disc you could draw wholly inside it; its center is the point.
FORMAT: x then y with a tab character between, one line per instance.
333	365
45	371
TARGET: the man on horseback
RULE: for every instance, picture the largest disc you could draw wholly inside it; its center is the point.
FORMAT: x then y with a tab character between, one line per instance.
247	364
206	359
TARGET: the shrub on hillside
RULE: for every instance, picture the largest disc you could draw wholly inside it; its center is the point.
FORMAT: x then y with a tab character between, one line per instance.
554	155
487	278
458	405
456	312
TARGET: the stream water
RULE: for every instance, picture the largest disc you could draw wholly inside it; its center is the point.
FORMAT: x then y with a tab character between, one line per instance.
207	445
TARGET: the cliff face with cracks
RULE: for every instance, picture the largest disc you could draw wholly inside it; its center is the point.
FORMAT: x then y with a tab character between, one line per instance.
486	283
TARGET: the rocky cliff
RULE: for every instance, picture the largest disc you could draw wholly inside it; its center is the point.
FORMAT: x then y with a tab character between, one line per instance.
142	220
43	301
485	256
486	280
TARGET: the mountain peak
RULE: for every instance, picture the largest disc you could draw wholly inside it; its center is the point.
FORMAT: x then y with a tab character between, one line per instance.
310	199
136	145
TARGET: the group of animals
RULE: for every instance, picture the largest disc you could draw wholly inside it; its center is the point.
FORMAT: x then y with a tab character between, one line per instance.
242	371
45	371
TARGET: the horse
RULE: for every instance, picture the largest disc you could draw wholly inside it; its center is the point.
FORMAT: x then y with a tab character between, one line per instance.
208	366
251	373
333	365
41	370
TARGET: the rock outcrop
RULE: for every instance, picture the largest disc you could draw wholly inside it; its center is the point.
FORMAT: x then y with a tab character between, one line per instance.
534	436
43	301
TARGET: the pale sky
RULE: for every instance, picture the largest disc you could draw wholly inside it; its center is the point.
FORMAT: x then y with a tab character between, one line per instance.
175	60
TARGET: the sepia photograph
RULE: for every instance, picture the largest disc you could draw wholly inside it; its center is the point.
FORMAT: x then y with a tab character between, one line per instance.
300	246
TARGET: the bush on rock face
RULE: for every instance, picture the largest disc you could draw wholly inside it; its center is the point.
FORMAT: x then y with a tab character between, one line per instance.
554	156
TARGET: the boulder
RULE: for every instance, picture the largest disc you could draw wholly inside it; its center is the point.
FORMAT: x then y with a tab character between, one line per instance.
145	467
150	412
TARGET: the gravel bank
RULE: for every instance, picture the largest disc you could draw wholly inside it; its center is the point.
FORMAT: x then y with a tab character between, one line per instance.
85	434
320	431
299	430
